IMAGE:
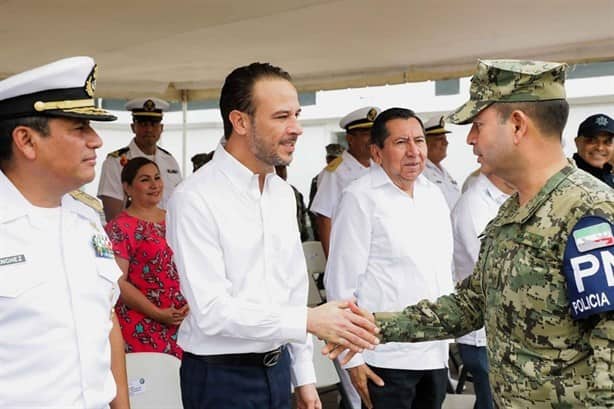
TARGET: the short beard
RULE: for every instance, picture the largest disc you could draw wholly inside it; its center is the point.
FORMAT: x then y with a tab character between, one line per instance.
258	146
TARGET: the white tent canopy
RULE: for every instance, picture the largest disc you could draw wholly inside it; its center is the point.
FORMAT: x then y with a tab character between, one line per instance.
167	48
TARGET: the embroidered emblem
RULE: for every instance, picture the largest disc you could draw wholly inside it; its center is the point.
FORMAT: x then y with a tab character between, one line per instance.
593	237
90	83
372	114
601	121
587	266
149	106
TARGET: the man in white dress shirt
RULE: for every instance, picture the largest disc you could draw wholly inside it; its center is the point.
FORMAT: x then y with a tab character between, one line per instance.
336	176
437	143
61	345
475	208
234	232
352	164
391	245
147	126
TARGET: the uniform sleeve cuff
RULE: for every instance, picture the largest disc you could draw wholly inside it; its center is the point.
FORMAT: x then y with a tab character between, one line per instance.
294	324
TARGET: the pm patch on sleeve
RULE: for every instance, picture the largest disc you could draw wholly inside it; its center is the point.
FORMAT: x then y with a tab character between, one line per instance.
588	265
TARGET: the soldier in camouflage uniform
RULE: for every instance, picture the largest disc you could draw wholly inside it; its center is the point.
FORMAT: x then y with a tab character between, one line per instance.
543	285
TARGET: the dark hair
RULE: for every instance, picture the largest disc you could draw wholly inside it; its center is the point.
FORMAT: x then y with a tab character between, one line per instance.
379	132
130	170
549	116
132	167
238	86
39	123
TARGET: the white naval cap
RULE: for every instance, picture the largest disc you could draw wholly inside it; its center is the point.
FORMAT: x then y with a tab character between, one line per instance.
64	88
361	118
435	126
147	108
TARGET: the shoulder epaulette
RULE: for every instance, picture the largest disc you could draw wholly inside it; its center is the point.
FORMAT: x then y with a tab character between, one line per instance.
88	200
334	164
119	152
164	150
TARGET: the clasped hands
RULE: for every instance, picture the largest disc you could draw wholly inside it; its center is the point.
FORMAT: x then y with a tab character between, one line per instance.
343	326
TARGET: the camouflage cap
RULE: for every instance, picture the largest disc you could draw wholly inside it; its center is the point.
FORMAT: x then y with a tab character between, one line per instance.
511	81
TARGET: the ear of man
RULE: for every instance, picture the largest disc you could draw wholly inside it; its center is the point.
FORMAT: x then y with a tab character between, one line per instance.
376	154
240	122
521	124
25	141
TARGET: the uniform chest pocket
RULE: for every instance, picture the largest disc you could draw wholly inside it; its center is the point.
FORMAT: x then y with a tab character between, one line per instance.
107	269
108	273
532	262
17	279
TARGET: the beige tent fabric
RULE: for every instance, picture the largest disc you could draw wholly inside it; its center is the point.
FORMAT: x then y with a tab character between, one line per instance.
163	47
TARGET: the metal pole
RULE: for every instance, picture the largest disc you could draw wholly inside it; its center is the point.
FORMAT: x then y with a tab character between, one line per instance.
184	129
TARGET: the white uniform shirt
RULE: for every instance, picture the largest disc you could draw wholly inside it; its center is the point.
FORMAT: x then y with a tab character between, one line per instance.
389	251
56	298
444	181
110	178
476	207
241	264
319	178
332	183
470	180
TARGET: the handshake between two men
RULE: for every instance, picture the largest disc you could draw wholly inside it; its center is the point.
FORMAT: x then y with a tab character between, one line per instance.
344	327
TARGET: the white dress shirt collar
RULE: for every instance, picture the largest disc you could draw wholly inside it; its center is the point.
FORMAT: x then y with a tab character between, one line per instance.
239	175
136	152
430	164
353	162
379	178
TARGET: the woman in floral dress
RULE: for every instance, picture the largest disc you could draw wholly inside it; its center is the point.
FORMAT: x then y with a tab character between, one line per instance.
151	307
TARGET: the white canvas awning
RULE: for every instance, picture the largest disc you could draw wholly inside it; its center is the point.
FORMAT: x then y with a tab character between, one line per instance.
166	47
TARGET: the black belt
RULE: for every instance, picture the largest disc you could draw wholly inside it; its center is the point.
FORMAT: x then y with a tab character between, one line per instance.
266	359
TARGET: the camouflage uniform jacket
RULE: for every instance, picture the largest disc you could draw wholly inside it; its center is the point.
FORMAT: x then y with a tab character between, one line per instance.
539	356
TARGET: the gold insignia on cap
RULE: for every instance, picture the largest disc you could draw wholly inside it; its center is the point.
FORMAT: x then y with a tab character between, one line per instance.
90	83
41	106
372	114
149	106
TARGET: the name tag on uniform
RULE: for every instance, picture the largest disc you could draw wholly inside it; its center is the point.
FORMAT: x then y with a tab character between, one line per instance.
19	258
102	246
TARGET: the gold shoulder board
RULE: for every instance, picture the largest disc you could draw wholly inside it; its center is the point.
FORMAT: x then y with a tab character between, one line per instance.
334	164
89	201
